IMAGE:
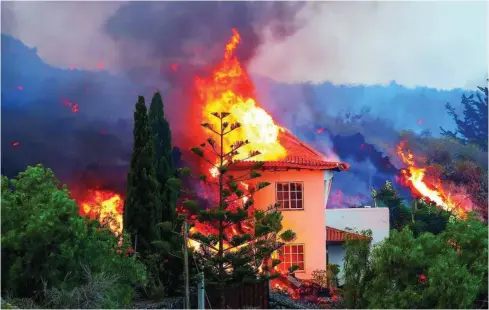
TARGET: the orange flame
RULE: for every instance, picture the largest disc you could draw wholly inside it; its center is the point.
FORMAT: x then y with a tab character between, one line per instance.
230	89
105	206
415	178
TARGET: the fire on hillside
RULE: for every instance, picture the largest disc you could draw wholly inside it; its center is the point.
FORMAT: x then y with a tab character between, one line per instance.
430	187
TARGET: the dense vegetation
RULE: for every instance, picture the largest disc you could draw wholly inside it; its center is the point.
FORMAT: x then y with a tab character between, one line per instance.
51	257
430	260
54	258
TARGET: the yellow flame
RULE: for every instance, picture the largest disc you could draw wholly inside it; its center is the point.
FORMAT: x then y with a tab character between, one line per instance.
230	89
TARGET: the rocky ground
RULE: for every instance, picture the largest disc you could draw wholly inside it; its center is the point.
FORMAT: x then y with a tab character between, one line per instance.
283	301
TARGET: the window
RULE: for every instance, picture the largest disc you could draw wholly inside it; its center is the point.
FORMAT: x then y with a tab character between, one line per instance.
291	255
289	195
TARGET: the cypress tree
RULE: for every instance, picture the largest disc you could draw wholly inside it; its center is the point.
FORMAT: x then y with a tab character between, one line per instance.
142	199
172	270
163	161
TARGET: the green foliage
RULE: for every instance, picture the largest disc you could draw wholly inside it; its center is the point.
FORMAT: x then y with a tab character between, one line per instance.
238	240
472	128
447	270
169	187
357	271
399	214
427	217
45	240
332	274
142	204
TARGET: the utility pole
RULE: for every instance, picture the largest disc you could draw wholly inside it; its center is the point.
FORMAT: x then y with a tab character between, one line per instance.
201	292
185	264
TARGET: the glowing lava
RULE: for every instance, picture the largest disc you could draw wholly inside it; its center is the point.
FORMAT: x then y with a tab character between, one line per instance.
105	206
415	178
229	89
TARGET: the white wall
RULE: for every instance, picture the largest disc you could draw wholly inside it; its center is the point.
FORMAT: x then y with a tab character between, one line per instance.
358	219
375	219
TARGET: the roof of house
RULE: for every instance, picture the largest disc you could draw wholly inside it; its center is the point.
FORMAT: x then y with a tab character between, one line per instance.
299	156
334	234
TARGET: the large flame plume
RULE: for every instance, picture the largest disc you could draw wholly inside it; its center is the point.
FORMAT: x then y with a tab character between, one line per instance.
433	190
105	206
229	89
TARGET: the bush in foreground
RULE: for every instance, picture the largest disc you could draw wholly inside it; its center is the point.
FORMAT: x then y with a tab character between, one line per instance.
47	248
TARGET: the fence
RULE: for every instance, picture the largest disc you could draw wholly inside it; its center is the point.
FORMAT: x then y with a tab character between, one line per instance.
239	297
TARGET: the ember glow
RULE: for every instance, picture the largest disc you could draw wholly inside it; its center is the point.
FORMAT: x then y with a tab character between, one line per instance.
229	88
105	206
414	177
73	106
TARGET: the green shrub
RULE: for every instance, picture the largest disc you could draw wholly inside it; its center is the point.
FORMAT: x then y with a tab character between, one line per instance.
45	243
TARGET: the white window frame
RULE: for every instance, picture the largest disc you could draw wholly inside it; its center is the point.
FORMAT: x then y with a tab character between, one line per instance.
281	207
290	255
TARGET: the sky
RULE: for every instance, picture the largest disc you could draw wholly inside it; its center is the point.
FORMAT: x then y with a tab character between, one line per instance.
439	44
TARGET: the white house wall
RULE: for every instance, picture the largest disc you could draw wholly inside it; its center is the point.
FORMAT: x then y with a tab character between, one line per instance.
358	219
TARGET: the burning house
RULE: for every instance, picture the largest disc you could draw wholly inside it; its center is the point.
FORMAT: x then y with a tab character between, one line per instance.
300	183
300	176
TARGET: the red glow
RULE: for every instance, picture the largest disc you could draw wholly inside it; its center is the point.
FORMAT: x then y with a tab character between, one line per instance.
15	143
420	121
72	68
320	130
74	106
20	87
174	67
100	65
338	200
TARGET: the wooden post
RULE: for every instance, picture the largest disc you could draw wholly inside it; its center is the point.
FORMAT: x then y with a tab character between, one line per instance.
185	265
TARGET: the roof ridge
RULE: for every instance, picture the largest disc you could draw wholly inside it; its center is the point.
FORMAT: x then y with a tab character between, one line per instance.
305	145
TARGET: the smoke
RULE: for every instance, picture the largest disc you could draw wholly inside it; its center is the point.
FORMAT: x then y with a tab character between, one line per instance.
166	44
150	45
372	42
113	51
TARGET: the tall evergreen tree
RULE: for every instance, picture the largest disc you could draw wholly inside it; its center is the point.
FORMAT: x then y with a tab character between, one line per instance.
237	242
399	214
171	271
142	199
473	127
163	160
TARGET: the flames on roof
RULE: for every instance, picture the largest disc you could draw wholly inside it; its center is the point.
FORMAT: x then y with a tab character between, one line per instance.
299	156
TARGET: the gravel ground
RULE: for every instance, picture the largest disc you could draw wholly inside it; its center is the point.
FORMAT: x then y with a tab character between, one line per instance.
282	301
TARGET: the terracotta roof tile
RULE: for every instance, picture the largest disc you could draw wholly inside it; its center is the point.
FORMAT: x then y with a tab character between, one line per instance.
334	234
299	156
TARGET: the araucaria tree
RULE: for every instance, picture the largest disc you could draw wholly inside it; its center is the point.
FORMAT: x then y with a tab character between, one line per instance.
238	240
142	202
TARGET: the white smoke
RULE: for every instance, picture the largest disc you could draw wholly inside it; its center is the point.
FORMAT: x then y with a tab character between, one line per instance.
440	44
